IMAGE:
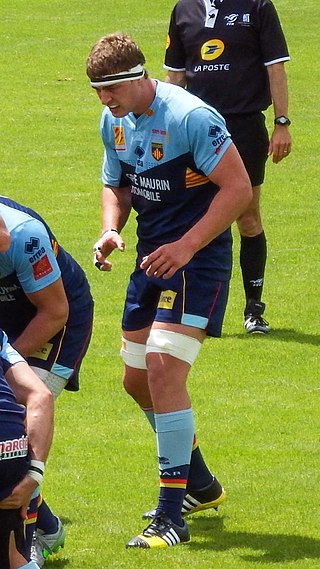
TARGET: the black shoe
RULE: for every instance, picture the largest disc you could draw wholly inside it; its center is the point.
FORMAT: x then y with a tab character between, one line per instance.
162	532
196	500
253	321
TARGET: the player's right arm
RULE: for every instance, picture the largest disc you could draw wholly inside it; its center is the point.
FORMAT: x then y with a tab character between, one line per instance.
52	311
33	394
116	206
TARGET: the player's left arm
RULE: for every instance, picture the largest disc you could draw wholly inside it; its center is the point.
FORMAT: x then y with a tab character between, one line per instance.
52	311
280	140
234	195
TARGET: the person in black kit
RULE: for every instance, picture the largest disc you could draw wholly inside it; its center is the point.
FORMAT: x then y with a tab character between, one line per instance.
231	54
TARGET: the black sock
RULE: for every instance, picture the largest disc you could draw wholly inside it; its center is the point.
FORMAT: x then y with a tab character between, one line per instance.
199	474
253	256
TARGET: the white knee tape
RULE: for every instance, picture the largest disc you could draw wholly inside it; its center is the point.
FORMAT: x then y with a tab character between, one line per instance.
133	354
179	346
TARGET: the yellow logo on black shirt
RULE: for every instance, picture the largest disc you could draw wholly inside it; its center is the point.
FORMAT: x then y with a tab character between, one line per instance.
212	49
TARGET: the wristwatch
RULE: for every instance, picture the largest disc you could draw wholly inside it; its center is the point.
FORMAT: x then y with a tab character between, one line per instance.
282	120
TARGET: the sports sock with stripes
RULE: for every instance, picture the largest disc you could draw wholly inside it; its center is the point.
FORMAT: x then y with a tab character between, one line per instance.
199	474
174	443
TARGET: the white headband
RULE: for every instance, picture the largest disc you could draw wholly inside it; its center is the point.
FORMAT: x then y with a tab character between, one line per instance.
130	75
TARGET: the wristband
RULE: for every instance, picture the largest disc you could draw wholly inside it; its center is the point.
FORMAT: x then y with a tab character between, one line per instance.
36	471
111	229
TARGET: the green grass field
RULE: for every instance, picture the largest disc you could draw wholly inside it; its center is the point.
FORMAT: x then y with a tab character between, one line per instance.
256	399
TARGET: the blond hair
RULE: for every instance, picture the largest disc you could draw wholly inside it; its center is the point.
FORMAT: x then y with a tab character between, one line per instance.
112	54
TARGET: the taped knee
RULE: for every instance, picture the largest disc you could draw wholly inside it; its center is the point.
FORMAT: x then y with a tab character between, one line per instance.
133	354
179	346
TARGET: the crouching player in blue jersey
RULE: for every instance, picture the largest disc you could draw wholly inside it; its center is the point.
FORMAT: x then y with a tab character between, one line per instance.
46	309
169	156
22	453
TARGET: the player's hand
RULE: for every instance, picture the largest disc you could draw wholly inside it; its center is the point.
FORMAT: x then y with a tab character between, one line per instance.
20	496
109	241
166	260
280	144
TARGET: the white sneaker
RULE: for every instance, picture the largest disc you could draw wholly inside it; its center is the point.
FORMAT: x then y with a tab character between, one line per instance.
47	543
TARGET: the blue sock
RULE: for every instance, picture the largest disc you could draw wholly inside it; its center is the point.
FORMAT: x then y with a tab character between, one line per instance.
199	474
174	443
149	413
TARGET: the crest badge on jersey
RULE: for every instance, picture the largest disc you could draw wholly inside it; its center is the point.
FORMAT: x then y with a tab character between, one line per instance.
157	150
119	141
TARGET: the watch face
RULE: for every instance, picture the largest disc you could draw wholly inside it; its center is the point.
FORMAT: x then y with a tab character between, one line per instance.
282	120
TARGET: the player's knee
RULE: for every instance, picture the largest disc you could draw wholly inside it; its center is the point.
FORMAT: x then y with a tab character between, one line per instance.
133	354
177	345
249	224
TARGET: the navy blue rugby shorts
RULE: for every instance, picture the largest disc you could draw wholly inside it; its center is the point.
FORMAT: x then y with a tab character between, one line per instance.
250	135
191	297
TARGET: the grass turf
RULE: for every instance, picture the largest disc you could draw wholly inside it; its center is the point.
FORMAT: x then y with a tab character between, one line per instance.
256	399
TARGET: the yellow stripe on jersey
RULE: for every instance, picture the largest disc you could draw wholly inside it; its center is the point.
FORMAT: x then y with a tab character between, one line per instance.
55	247
193	179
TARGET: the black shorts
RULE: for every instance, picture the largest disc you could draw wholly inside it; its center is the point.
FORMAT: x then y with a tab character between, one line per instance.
11	520
13	467
250	135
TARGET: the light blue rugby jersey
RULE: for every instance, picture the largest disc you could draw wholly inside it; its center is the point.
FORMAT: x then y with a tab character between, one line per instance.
166	155
30	254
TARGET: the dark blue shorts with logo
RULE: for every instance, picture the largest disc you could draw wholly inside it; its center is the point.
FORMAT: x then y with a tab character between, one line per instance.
191	297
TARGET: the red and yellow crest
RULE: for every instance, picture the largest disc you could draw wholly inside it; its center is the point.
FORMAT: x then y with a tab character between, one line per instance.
119	141
157	150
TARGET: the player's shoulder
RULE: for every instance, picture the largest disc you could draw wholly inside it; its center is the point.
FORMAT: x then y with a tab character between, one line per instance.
17	217
181	104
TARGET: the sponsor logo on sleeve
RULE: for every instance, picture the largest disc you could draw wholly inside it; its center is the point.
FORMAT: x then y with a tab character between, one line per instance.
32	245
41	268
